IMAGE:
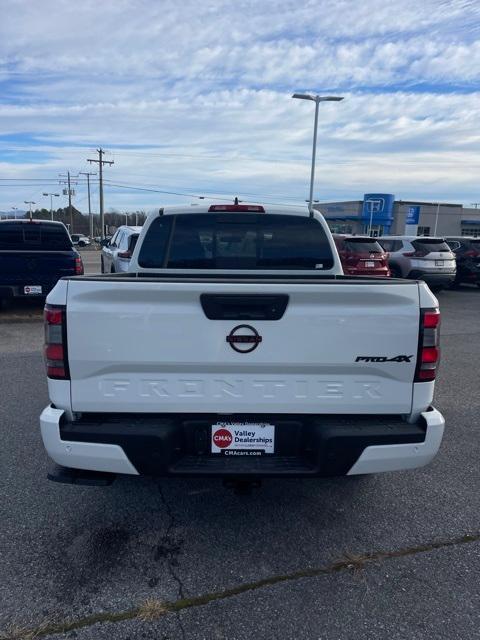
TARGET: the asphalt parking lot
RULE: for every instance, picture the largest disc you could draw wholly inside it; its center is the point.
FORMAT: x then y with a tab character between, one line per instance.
387	556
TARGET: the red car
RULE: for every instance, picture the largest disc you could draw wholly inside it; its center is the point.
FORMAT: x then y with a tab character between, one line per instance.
362	256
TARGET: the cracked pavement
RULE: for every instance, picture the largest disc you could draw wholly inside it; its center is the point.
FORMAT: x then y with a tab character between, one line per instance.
87	553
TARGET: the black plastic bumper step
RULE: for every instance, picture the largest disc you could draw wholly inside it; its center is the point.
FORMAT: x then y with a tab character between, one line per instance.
66	475
251	465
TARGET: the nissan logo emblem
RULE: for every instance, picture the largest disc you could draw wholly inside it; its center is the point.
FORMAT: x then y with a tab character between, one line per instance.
244	338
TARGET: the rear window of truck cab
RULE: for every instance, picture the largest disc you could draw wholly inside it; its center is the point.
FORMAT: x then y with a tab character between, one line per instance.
33	236
235	241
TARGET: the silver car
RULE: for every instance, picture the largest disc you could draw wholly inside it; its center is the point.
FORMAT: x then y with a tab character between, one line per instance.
422	258
117	252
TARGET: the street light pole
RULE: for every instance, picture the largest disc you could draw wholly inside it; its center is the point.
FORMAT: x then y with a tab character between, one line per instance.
436	219
90	217
29	202
51	202
317	100
14	209
370	203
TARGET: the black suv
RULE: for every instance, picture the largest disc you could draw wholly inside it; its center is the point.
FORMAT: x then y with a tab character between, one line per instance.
34	255
467	253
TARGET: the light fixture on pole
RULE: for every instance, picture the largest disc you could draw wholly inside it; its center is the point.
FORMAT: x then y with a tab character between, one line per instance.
14	209
29	202
57	195
317	100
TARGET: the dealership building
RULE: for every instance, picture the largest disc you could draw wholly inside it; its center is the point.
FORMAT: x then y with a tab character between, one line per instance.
381	214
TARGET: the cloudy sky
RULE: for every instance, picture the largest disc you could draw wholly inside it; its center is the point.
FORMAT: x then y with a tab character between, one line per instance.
192	98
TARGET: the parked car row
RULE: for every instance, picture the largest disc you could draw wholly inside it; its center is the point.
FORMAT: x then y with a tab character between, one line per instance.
35	254
440	262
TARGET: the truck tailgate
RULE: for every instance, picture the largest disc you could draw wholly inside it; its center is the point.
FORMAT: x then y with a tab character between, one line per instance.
148	346
18	268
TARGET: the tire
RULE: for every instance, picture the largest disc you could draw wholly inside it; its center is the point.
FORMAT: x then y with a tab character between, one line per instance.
112	270
396	273
102	266
3	304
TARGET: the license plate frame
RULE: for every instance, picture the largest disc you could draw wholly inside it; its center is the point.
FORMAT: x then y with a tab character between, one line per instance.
370	264
242	438
32	290
439	263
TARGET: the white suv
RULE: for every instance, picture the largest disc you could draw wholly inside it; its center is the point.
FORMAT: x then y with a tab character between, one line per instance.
78	239
117	252
422	258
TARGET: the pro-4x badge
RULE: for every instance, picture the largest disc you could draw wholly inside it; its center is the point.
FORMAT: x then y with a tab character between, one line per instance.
383	359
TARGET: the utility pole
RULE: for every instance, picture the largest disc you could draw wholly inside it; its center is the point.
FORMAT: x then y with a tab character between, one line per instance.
475	204
100	163
69	191
90	216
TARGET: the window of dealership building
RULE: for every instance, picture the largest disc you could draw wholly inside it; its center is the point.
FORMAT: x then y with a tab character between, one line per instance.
380	214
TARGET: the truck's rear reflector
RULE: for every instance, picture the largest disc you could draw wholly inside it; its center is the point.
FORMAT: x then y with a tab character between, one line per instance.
55	350
428	350
255	208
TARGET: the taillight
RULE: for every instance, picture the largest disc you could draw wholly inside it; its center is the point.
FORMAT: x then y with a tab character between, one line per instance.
55	349
124	254
471	253
78	266
255	208
428	350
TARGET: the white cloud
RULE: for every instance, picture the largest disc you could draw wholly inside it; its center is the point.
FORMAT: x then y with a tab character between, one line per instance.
208	84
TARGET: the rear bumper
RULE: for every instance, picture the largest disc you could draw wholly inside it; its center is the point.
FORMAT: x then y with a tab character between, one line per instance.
17	291
468	273
179	445
433	279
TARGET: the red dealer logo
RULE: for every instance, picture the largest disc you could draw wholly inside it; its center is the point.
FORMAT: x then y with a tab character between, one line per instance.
222	438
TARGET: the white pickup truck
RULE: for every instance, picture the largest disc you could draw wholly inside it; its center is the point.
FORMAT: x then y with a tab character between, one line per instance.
235	347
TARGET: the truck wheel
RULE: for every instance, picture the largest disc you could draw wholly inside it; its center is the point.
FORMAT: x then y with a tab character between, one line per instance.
112	270
102	266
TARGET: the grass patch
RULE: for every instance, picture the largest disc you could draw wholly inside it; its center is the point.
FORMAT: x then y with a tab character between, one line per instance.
153	609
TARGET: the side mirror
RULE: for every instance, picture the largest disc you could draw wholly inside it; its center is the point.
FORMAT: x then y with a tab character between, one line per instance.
105	242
